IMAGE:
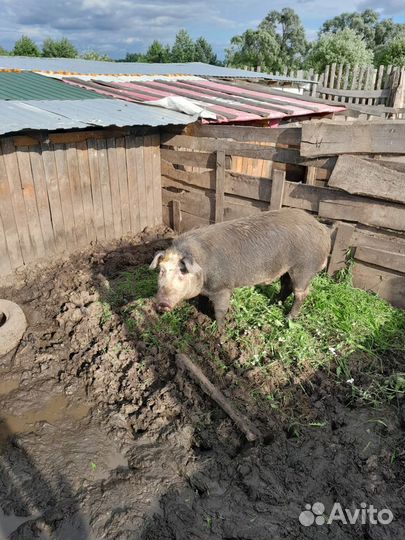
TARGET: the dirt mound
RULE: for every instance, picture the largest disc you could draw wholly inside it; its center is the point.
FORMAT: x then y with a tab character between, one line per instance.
101	437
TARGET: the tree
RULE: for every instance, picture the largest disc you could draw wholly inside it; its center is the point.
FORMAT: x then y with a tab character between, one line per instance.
94	55
253	48
62	48
3	52
289	32
157	53
25	46
183	49
391	53
367	25
342	47
278	42
204	52
133	57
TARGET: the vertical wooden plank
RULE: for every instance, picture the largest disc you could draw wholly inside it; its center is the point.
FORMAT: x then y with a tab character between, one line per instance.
5	265
343	236
372	81
314	86
176	216
8	218
339	80
220	186
310	176
115	187
387	83
326	82
13	175
76	192
123	183
30	200
132	183
354	83
157	180
104	172
360	82
96	189
43	203
65	195
277	190
144	173
85	180
332	75
52	187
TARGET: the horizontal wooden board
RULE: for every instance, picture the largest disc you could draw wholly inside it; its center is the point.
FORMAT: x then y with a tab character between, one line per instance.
355	93
193	159
363	177
378	239
283	135
388	285
206	144
331	138
383	258
366	211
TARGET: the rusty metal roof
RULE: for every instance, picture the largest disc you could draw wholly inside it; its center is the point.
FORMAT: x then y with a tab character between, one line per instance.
229	102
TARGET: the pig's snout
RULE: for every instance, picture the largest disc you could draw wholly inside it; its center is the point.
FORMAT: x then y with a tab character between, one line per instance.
163	307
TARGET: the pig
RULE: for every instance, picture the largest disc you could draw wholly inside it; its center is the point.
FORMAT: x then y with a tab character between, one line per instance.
212	261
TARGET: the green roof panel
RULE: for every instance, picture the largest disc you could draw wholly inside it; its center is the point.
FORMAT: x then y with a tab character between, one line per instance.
23	86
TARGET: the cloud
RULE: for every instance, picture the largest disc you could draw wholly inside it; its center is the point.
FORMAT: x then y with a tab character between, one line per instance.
116	26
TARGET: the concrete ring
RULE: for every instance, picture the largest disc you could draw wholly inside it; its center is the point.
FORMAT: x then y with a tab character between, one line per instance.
12	326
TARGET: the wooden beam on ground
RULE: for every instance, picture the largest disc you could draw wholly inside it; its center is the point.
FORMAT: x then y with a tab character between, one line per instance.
331	138
380	257
242	422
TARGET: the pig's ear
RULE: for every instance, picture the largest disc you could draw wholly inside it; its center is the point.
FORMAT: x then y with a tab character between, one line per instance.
190	266
156	260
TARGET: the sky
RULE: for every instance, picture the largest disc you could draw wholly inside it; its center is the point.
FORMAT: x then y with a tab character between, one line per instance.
115	27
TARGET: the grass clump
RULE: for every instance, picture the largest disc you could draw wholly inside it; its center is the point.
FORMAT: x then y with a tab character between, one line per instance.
336	321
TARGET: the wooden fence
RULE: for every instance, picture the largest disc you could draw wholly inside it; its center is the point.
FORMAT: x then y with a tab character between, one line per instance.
360	195
356	85
61	192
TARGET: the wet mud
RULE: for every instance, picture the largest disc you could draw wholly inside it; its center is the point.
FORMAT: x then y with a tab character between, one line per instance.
102	438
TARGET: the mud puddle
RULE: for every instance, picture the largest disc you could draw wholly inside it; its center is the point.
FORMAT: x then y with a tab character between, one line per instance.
103	439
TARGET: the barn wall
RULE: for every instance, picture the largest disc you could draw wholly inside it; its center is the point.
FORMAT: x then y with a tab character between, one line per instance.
361	199
60	192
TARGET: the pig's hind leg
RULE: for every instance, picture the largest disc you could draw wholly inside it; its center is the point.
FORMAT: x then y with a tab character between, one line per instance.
300	282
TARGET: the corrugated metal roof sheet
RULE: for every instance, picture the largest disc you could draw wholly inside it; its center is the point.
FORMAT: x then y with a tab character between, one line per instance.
55	115
229	102
76	65
25	85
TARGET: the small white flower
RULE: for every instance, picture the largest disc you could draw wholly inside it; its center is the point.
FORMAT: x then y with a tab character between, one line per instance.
332	350
350	381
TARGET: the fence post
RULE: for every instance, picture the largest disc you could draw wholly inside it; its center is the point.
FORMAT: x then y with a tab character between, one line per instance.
220	186
176	215
277	190
343	236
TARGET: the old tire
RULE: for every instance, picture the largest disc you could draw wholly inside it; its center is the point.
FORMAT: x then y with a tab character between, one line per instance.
12	326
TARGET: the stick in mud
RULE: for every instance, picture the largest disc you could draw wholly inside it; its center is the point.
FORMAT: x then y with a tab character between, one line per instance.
244	424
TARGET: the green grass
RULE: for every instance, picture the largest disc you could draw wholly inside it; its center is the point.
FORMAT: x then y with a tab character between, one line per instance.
335	322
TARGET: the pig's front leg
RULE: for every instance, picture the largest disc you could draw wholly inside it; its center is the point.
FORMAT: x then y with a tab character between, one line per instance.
220	301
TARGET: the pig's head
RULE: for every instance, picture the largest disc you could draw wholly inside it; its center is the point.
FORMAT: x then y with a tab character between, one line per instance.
180	278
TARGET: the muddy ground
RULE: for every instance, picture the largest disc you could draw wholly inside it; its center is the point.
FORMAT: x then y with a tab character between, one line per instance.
102	438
